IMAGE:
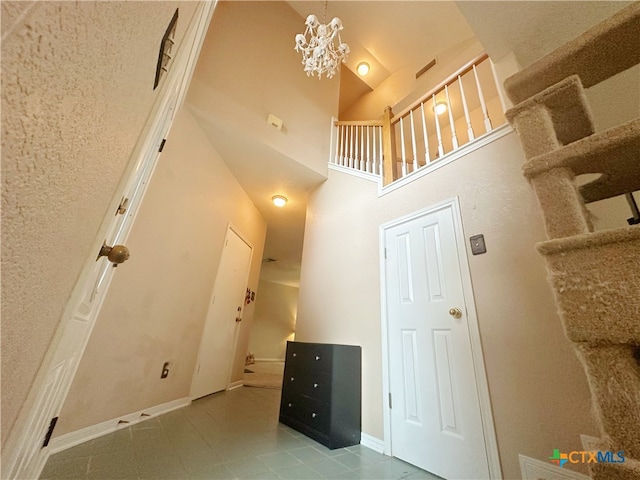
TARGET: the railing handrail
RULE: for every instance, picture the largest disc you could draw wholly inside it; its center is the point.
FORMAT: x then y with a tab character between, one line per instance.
364	123
446	82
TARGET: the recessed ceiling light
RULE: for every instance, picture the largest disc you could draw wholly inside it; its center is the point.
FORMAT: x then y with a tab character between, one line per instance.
440	108
279	200
362	68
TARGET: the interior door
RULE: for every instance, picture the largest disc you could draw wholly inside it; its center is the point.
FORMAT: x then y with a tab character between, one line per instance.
435	412
217	347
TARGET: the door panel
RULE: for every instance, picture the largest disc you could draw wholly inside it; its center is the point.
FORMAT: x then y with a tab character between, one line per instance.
435	415
411	380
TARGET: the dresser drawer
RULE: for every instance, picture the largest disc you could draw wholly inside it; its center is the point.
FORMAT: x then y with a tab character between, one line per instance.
314	385
313	413
311	357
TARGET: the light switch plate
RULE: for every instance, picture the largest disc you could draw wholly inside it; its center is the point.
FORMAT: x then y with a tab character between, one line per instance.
477	244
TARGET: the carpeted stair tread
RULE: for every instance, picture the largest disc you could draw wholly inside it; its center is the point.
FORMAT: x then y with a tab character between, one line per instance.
596	280
590	240
615	153
601	52
566	105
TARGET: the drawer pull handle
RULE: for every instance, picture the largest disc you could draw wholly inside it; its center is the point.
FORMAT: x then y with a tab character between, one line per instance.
289	405
313	415
292	379
295	354
315	385
317	357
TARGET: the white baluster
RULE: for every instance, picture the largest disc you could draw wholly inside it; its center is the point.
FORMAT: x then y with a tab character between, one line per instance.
404	153
466	111
374	163
440	146
336	158
454	137
424	135
381	147
362	152
487	121
343	146
356	158
368	150
350	147
413	143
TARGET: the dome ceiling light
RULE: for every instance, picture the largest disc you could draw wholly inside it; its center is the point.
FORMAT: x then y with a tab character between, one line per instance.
279	200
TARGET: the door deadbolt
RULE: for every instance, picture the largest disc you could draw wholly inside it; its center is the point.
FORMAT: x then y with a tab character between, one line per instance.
116	254
455	313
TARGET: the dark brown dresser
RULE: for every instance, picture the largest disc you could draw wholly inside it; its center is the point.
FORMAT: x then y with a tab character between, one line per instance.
322	393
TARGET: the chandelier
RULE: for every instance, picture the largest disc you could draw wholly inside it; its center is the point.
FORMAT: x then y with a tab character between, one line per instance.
321	46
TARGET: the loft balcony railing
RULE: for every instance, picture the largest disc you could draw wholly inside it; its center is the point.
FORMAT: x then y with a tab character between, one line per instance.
419	136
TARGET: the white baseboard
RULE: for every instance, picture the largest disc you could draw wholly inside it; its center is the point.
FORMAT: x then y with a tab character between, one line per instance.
234	385
373	443
533	469
68	440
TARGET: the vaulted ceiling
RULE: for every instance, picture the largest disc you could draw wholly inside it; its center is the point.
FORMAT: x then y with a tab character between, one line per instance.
394	37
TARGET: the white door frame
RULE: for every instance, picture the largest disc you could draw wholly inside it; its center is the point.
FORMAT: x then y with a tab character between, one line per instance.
235	230
488	427
23	455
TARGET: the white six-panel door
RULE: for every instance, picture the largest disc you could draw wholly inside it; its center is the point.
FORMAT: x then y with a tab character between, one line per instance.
436	421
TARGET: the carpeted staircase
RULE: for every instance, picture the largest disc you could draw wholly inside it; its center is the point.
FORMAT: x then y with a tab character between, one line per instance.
595	276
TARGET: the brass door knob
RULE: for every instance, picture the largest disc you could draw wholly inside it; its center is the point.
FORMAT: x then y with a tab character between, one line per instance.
116	254
455	313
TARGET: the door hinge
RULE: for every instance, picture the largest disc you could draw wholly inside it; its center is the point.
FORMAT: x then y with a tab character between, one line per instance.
390	402
385	253
122	208
47	437
164	140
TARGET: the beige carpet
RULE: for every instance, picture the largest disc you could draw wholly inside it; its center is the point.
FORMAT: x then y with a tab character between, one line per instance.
264	375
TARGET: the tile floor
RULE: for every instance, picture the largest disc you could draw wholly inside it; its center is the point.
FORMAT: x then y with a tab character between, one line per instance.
228	435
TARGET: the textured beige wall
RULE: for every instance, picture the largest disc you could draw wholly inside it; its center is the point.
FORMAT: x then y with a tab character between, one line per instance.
77	81
275	320
265	78
538	390
157	304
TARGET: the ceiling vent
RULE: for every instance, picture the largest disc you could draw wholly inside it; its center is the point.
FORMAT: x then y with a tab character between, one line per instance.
424	69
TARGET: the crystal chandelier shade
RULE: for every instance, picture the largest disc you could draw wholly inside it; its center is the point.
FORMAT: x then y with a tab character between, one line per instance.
322	47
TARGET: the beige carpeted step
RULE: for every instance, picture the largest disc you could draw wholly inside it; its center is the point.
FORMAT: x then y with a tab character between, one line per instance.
557	116
615	153
608	48
596	283
629	470
613	374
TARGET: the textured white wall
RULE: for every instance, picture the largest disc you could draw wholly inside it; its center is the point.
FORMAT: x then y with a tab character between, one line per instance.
274	321
537	385
157	304
77	83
